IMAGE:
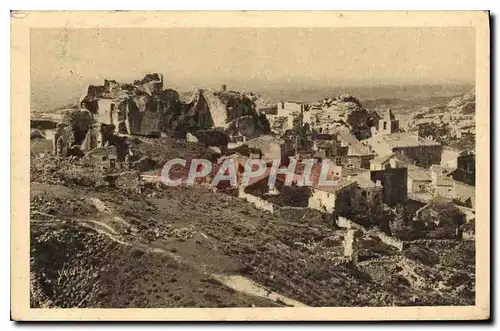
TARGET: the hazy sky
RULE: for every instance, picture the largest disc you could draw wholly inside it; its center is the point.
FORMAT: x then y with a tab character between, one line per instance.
253	58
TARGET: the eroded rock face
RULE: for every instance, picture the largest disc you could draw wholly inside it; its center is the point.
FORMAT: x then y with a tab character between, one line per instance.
78	122
350	110
212	137
145	108
249	126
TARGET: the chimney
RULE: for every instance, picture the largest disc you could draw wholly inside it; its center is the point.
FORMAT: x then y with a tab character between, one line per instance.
223	88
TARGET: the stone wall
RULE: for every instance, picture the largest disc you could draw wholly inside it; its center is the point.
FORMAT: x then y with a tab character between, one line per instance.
258	202
388	240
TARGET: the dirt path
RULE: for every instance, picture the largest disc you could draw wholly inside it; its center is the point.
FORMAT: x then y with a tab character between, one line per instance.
248	286
236	282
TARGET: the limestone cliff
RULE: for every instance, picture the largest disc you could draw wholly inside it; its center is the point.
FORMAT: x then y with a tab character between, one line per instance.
146	108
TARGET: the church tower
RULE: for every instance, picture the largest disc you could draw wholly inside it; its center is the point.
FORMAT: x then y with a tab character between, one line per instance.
388	123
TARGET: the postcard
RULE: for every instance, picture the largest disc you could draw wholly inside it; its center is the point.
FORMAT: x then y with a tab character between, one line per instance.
250	166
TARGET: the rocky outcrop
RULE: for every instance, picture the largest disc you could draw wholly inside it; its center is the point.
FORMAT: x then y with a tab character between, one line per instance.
145	108
78	121
249	126
465	104
212	138
346	108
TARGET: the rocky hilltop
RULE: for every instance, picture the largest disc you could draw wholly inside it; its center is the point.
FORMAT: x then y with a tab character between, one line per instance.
465	104
145	107
344	108
462	107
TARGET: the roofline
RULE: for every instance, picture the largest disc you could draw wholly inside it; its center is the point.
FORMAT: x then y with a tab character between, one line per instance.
329	191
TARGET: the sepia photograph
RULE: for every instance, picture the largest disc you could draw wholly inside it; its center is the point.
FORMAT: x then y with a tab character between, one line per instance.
284	163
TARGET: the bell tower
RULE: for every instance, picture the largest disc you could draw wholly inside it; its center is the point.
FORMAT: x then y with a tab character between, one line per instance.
388	123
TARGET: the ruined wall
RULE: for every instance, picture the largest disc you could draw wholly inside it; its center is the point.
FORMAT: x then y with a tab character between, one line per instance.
322	201
258	202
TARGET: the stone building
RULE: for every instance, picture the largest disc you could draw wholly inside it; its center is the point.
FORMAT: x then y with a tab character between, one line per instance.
419	180
441	181
358	155
293	112
328	146
368	196
386	161
449	157
332	198
272	148
291	108
465	193
444	185
466	168
394	183
421	152
387	123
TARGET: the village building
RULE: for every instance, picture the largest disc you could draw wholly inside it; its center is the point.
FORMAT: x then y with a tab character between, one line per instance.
279	124
352	191
345	196
291	108
465	193
369	194
358	155
328	146
332	198
272	148
463	127
421	152
394	183
449	157
465	171
386	162
425	184
441	181
444	185
290	112
419	180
